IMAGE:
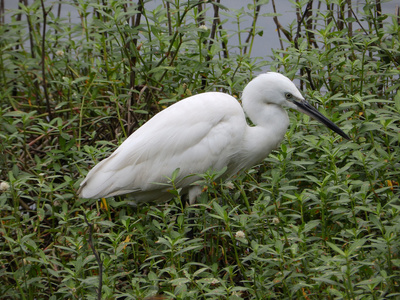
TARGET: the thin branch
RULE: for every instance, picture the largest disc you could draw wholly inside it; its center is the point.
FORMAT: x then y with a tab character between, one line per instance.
329	8
358	21
379	14
300	21
24	205
253	26
350	24
200	18
296	45
46	94
169	20
279	26
214	25
211	41
177	34
135	21
2	12
398	14
96	255
309	27
224	44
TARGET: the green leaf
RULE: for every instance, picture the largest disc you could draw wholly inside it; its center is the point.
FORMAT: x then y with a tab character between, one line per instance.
336	249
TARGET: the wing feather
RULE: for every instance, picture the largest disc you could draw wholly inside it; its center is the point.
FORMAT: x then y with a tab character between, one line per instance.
198	133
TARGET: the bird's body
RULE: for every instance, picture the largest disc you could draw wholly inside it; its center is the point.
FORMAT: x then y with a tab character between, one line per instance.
198	134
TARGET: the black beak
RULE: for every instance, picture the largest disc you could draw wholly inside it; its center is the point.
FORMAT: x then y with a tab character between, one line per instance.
304	107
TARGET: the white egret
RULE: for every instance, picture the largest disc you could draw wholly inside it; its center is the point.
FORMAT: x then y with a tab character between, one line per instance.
200	133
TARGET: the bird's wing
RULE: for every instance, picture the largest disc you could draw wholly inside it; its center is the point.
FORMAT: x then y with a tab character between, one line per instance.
199	133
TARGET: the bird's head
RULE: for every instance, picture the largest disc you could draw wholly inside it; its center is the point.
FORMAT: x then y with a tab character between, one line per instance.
272	88
275	88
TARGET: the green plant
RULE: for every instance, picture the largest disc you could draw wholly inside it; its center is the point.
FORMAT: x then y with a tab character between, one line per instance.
317	219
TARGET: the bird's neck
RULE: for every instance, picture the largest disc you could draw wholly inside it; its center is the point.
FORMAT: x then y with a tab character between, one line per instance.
271	122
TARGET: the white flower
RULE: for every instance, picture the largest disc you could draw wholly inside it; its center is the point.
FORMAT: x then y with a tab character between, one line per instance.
237	293
4	186
229	185
275	220
203	27
209	280
240	235
60	53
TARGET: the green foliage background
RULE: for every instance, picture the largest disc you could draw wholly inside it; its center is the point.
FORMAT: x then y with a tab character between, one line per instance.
319	219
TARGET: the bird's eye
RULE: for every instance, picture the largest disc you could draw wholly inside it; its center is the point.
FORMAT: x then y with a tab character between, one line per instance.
288	95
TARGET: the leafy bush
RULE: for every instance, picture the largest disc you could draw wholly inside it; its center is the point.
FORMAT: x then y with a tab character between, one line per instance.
318	219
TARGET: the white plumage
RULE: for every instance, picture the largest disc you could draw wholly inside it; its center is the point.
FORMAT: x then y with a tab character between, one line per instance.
200	133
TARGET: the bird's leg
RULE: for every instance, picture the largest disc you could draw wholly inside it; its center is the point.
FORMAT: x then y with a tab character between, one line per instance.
190	220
